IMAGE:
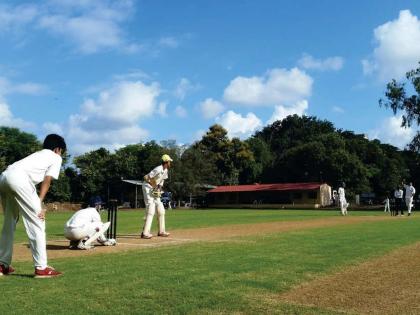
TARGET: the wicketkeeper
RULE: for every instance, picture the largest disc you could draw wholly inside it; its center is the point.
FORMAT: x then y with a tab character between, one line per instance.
85	227
152	190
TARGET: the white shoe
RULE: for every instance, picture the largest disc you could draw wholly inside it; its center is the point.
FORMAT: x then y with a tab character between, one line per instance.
110	242
83	246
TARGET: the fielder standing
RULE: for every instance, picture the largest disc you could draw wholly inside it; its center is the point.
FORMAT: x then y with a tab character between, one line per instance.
342	199
387	207
398	195
152	193
409	195
19	198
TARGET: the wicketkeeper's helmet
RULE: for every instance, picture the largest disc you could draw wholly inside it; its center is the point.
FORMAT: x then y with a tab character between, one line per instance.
95	201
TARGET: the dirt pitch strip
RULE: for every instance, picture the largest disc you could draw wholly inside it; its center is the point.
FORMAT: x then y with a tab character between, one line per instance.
59	248
386	285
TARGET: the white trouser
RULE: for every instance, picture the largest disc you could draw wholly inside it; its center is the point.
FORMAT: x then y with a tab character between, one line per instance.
409	203
343	206
387	209
152	204
82	232
19	197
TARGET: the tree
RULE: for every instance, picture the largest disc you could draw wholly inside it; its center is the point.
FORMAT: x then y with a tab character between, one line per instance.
15	145
398	100
60	189
231	157
95	173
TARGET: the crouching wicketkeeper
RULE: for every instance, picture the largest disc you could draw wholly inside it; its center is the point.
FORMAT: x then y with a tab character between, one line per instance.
152	193
85	227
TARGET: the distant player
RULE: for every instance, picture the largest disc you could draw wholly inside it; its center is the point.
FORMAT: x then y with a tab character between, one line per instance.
342	199
387	206
19	197
409	195
398	195
85	227
152	193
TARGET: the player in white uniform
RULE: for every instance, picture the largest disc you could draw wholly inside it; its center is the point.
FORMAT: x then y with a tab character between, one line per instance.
86	227
409	195
387	206
152	193
398	195
342	199
19	198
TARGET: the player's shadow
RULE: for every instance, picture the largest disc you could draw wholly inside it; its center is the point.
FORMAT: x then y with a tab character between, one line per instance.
53	247
21	275
128	236
57	247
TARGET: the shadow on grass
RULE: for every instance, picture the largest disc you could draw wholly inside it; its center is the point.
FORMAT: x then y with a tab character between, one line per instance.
57	247
21	275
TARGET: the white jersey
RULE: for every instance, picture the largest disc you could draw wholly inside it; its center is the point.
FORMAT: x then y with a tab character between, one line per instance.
159	174
341	194
83	217
398	193
38	165
409	191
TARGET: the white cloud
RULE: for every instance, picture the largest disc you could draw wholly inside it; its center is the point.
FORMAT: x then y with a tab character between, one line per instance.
180	112
210	108
238	125
89	33
125	102
183	87
337	109
331	63
90	25
198	135
50	127
390	131
112	120
281	112
161	110
29	88
7	118
170	42
397	48
276	86
15	17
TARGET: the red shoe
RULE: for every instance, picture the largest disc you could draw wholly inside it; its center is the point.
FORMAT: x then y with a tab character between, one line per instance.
48	272
164	234
4	271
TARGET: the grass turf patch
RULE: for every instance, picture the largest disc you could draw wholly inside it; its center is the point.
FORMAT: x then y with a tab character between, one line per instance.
131	221
204	278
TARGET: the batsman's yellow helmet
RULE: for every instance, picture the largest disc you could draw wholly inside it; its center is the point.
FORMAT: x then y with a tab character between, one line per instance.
166	158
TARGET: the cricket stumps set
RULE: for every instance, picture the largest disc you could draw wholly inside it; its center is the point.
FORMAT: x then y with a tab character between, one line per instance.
112	218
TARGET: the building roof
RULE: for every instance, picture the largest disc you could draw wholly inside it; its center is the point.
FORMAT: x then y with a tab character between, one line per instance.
266	187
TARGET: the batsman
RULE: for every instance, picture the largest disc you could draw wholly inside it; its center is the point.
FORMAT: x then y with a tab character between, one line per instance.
152	190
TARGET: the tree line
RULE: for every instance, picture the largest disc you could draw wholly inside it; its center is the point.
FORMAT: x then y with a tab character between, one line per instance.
295	149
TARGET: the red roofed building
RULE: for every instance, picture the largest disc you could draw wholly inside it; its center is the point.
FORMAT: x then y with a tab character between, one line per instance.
300	195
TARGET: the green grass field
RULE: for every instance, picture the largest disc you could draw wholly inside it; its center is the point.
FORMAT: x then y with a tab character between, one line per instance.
203	277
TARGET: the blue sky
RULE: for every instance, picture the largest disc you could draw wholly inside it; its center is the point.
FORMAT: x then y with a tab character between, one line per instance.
110	73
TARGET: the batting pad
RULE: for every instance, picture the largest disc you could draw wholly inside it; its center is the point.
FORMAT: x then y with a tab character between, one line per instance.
95	236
